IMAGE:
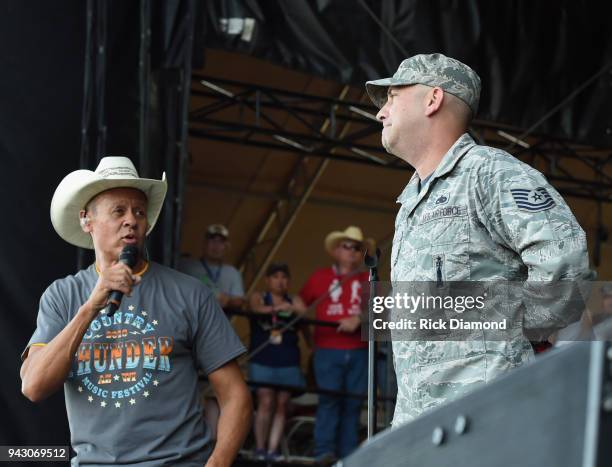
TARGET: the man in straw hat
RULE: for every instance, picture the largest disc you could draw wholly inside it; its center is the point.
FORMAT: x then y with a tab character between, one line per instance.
130	380
469	213
340	357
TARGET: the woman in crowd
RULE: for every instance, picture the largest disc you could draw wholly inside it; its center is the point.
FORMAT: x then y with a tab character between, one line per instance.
276	357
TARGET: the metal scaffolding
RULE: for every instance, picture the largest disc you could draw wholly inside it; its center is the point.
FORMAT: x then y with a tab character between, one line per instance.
327	129
164	73
261	109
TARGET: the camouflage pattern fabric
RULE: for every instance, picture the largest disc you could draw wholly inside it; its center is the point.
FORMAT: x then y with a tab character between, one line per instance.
483	216
432	70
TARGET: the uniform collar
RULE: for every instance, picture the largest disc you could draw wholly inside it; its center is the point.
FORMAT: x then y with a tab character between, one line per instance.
450	159
452	156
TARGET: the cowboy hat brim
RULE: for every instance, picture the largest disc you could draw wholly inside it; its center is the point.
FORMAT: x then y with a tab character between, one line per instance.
79	187
333	238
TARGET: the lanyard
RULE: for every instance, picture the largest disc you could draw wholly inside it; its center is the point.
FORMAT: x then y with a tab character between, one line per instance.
213	277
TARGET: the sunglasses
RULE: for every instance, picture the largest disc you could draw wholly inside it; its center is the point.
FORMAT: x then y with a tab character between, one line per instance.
351	246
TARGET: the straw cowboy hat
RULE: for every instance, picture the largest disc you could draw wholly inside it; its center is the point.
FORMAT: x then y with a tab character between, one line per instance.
351	233
79	187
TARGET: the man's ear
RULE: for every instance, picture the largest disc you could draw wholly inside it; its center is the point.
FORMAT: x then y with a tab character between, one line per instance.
85	221
434	101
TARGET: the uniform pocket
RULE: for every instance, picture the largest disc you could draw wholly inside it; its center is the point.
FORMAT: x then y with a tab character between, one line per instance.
446	231
442	250
449	264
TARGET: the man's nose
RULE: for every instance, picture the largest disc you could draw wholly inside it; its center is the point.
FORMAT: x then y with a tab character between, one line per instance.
130	219
382	113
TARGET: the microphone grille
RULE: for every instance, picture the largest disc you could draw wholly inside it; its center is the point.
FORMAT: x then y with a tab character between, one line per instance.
129	255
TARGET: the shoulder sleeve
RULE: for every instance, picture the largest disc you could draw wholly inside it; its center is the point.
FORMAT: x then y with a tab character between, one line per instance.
214	339
236	287
51	319
524	213
530	217
185	265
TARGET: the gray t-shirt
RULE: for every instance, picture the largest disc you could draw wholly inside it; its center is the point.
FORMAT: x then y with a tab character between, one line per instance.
224	278
132	393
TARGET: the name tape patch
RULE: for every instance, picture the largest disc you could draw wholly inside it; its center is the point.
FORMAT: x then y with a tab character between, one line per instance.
448	211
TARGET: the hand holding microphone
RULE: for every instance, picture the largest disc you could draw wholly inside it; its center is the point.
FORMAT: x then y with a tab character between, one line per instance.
129	257
115	281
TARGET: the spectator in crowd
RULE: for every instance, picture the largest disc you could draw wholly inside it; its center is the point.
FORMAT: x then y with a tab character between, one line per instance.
223	279
340	357
275	357
225	282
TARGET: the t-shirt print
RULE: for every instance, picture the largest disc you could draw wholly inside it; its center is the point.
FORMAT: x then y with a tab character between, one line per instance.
121	358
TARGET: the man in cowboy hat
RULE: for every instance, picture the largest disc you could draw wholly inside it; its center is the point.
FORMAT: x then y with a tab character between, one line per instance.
340	357
130	380
469	213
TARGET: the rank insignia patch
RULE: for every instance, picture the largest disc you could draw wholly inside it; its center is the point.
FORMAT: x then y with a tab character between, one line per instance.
534	200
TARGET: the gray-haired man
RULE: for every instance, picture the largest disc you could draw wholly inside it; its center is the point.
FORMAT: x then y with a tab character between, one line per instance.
469	213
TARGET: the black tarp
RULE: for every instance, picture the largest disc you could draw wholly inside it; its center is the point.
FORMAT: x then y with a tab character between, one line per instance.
42	62
41	76
529	54
42	87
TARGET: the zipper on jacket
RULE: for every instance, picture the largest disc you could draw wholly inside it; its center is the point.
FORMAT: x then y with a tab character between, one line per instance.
439	271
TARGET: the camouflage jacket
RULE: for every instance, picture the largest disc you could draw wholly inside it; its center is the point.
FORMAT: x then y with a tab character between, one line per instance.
483	216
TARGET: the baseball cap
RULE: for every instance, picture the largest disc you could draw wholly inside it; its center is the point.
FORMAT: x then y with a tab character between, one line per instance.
217	229
437	69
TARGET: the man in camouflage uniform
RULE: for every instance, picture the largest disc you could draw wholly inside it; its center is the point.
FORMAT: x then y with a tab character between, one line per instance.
469	213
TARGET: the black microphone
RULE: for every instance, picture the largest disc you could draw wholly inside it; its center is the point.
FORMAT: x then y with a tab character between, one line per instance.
129	257
371	262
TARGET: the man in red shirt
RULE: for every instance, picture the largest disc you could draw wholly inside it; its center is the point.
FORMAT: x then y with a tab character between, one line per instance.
340	358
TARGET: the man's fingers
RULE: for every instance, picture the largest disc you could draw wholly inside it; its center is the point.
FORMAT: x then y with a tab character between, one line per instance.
121	283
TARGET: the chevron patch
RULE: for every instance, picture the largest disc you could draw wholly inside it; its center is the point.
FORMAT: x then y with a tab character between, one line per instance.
535	200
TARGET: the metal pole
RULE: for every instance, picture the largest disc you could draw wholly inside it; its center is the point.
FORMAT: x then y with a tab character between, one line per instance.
183	156
100	79
372	263
93	126
88	94
144	72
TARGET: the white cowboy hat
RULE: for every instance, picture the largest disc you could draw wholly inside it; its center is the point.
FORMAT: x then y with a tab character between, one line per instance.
351	233
79	187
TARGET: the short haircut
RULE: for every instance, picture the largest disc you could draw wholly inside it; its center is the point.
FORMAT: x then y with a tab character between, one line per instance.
273	268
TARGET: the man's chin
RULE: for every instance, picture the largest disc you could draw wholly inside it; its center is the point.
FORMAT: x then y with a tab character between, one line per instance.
387	146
